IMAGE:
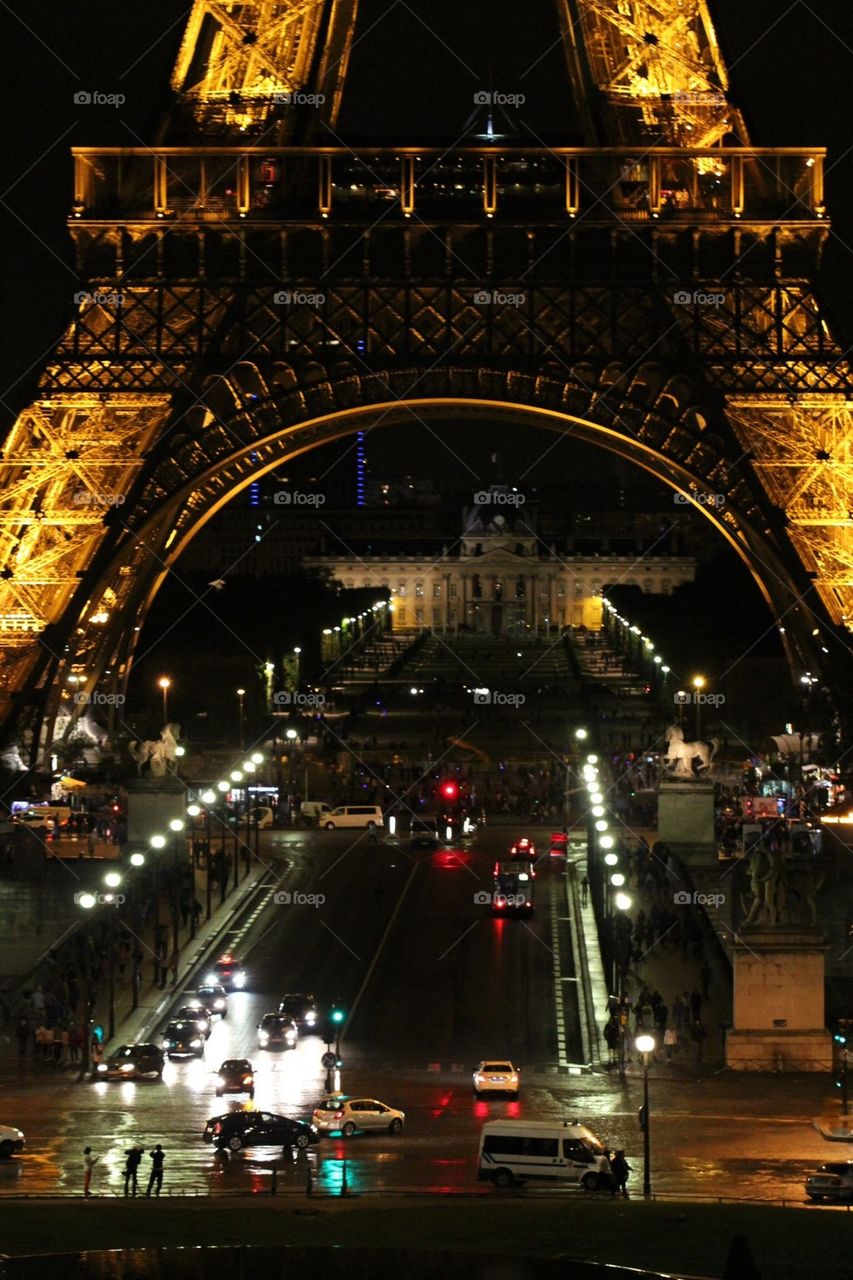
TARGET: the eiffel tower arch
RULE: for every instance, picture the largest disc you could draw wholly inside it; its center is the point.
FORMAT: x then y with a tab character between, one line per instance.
247	295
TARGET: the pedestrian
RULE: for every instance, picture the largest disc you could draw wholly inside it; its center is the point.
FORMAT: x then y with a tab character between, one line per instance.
372	834
74	1046
696	1005
620	1169
97	1054
611	1038
133	1159
584	891
173	966
670	1040
158	1155
89	1162
679	1013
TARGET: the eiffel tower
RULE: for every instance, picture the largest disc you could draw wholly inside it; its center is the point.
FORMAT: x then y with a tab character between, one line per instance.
249	292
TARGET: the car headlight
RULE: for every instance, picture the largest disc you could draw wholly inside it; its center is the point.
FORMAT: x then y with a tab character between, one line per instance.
291	1037
310	1019
222	1077
239	980
102	1066
220	1004
167	1044
210	979
128	1066
263	1037
195	1044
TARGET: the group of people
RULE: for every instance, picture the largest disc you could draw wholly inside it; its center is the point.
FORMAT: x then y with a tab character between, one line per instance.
132	1161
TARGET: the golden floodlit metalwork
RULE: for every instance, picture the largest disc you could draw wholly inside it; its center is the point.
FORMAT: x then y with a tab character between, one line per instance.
249	293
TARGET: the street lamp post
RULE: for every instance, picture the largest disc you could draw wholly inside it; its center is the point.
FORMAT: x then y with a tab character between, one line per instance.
241	694
157	843
646	1045
698	686
208	798
165	685
237	777
176	826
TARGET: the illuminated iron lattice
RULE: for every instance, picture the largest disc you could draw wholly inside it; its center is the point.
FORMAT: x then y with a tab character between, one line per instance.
182	376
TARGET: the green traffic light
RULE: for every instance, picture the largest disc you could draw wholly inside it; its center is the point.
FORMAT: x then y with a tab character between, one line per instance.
337	1015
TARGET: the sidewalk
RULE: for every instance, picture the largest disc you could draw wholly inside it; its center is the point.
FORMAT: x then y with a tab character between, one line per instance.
666	967
62	981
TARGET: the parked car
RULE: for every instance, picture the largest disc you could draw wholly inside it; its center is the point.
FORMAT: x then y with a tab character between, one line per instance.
239	1129
129	1061
493	1076
314	811
11	1140
833	1181
302	1009
262	815
344	1115
236	1075
183	1040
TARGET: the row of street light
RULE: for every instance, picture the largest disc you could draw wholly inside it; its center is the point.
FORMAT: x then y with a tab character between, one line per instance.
607	885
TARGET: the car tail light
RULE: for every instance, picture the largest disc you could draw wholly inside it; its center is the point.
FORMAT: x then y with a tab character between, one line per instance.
217	1128
339	1115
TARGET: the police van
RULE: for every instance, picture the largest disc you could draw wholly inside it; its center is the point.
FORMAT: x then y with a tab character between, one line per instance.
515	1151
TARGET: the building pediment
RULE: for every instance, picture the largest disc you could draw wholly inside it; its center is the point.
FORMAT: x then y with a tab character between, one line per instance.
500	557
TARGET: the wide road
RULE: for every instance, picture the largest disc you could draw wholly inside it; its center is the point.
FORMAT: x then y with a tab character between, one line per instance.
431	984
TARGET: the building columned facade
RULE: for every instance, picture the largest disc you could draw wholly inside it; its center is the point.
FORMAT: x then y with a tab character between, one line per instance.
499	578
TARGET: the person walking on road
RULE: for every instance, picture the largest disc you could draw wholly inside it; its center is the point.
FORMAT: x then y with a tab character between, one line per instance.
670	1040
620	1169
89	1162
584	891
158	1155
131	1169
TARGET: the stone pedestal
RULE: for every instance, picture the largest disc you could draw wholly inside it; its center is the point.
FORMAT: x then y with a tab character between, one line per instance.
779	1001
686	814
151	805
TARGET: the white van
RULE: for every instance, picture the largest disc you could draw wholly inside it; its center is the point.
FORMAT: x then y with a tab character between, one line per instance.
513	1151
314	811
353	815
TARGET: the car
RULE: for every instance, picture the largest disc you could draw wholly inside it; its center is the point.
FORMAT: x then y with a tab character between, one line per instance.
423	831
353	815
239	1129
277	1031
236	1075
226	972
302	1009
261	815
129	1061
497	1076
198	1014
833	1181
214	999
523	850
183	1040
341	1114
11	1140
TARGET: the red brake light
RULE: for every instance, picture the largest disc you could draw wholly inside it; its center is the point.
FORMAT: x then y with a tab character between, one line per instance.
338	1115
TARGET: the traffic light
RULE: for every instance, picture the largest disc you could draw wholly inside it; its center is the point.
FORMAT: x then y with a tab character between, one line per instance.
338	1016
449	790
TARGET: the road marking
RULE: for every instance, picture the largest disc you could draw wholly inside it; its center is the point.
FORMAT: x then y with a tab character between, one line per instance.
378	952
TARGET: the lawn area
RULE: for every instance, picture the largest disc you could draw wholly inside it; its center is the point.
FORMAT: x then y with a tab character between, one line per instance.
691	1239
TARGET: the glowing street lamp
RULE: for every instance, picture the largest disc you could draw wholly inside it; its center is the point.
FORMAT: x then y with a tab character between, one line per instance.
646	1045
241	694
698	683
165	685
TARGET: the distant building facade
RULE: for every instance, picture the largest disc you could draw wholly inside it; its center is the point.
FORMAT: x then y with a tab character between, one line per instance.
500	578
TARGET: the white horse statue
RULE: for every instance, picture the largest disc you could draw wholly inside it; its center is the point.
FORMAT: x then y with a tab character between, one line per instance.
680	754
158	755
